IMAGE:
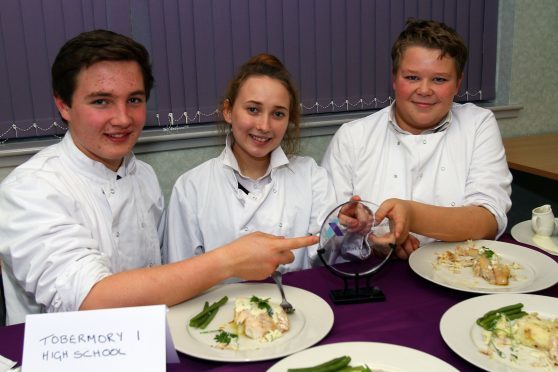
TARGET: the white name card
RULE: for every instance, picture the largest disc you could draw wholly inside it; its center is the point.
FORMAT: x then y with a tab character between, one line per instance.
123	339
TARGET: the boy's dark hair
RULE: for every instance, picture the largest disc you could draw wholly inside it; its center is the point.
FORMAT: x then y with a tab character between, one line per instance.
89	48
431	35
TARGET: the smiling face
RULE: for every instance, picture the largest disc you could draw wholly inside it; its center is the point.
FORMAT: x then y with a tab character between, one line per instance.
108	110
259	118
424	86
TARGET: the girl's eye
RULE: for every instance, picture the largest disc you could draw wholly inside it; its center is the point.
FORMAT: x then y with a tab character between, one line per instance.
252	109
279	114
411	78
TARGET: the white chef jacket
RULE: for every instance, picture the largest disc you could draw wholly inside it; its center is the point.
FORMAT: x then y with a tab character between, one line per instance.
207	209
67	222
461	162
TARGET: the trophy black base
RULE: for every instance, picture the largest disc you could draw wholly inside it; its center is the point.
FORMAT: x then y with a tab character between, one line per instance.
357	296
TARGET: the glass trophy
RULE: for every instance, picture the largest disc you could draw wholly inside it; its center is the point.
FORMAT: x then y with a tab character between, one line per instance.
354	246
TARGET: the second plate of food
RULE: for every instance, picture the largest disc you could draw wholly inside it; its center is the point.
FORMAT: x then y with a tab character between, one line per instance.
375	355
523	344
311	321
529	270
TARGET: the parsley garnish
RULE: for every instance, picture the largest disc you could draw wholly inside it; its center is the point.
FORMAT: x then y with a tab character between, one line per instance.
262	304
488	252
224	337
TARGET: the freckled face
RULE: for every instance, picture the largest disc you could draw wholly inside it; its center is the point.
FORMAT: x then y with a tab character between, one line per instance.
259	118
108	110
424	86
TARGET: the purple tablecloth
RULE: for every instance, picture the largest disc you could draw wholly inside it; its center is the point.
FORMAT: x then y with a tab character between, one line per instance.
409	316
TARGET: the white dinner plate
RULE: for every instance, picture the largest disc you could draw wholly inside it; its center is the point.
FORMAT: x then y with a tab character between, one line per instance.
464	336
536	272
523	233
311	321
377	356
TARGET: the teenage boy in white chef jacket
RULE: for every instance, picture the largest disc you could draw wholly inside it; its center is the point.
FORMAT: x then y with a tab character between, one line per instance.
438	167
83	219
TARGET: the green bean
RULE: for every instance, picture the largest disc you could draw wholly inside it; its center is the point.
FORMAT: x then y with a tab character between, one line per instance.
207	319
518	315
512	316
494	317
205	305
511	312
200	318
207	309
503	309
329	366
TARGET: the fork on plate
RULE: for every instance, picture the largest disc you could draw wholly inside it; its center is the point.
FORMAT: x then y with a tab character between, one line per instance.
286	305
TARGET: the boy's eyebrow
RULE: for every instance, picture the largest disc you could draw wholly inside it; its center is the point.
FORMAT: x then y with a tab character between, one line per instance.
108	94
412	71
99	94
138	93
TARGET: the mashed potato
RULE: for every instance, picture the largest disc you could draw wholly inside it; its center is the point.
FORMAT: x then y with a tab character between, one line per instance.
531	331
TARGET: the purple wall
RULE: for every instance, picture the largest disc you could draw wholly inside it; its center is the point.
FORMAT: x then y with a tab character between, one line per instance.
336	50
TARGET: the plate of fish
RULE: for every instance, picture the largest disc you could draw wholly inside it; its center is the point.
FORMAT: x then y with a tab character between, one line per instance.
485	266
243	322
504	332
357	356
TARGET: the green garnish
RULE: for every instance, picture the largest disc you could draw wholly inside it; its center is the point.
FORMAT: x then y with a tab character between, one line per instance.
224	337
203	318
262	304
489	320
488	252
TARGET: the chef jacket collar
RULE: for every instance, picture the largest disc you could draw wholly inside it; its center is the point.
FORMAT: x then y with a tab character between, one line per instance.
278	158
443	125
91	168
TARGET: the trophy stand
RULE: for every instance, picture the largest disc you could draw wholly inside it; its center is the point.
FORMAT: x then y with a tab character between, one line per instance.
356	294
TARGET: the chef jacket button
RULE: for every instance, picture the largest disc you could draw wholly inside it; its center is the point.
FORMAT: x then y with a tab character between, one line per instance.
280	224
275	191
117	234
453	204
112	191
443	169
398	143
424	141
245	228
395	176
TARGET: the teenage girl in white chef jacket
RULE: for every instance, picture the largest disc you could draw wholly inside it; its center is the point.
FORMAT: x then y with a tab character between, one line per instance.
258	183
